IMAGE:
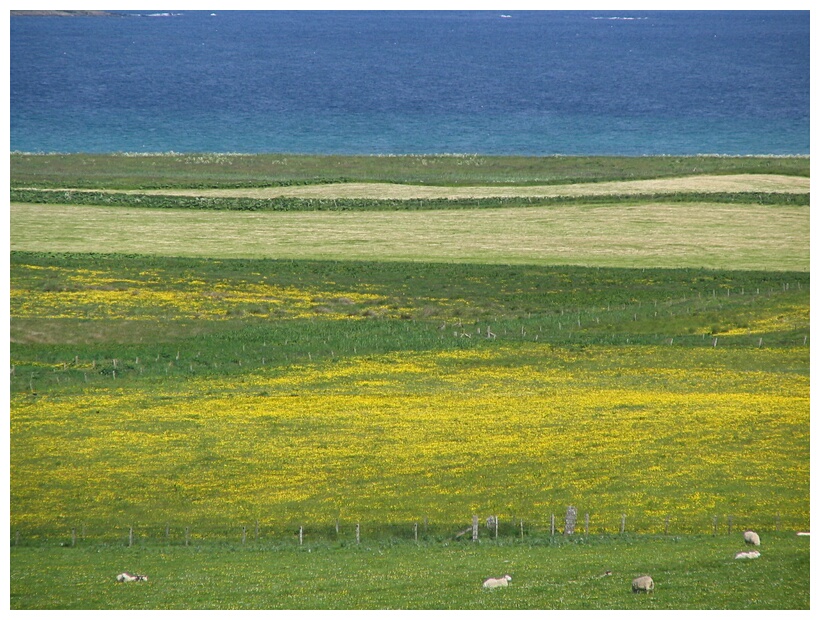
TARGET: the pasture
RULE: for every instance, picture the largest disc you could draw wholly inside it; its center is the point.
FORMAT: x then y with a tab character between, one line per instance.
185	407
690	572
212	170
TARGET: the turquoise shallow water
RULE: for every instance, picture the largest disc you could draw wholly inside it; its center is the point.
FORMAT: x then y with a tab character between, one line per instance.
534	83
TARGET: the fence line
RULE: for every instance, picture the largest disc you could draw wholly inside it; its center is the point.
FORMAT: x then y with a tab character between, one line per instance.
495	528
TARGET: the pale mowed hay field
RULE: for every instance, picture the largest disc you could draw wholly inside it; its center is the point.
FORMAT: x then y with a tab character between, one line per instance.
673	235
395	191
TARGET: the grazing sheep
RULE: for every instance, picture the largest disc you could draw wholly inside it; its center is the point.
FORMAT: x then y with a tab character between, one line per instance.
492	582
747	555
123	577
643	584
752	538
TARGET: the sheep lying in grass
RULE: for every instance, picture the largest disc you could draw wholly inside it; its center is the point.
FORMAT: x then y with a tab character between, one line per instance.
493	582
752	538
643	583
123	577
747	555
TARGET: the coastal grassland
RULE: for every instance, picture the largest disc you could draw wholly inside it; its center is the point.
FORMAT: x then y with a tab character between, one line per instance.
518	431
143	171
63	298
695	572
616	234
214	393
509	361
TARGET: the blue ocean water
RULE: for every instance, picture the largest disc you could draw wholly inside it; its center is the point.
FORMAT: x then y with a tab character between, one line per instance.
371	82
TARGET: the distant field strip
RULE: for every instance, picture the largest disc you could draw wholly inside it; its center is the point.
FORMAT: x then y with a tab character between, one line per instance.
709	235
704	183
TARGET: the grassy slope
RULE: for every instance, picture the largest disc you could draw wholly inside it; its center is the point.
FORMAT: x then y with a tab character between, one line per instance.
147	171
398	437
158	291
265	352
690	573
455	296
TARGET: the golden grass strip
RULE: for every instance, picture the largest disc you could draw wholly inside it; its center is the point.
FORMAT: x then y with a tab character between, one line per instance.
716	236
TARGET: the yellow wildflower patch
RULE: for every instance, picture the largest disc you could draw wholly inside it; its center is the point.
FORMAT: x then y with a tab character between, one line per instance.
792	318
404	436
98	295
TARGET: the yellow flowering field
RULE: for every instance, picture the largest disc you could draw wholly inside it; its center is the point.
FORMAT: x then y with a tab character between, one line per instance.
107	294
517	431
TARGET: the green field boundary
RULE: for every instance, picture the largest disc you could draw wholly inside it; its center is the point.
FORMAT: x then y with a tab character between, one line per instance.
36	196
233	170
544	529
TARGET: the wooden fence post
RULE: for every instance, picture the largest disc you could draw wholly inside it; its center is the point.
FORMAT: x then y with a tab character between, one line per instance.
300	534
623	523
522	530
187	535
74	536
586	524
552	525
358	538
475	528
714	525
416	531
496	526
244	534
130	536
16	538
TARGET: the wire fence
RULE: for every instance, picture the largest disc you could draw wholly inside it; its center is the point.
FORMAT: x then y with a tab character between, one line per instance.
503	528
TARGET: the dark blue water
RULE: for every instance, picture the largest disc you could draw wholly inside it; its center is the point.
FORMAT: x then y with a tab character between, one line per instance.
533	83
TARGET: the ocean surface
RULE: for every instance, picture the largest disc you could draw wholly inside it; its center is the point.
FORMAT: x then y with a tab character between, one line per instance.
398	82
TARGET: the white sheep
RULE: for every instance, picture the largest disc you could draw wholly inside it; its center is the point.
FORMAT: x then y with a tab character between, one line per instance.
643	583
747	555
493	582
123	577
752	538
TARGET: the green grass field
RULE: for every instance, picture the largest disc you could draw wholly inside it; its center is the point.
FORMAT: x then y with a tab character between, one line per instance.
232	377
695	572
138	171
